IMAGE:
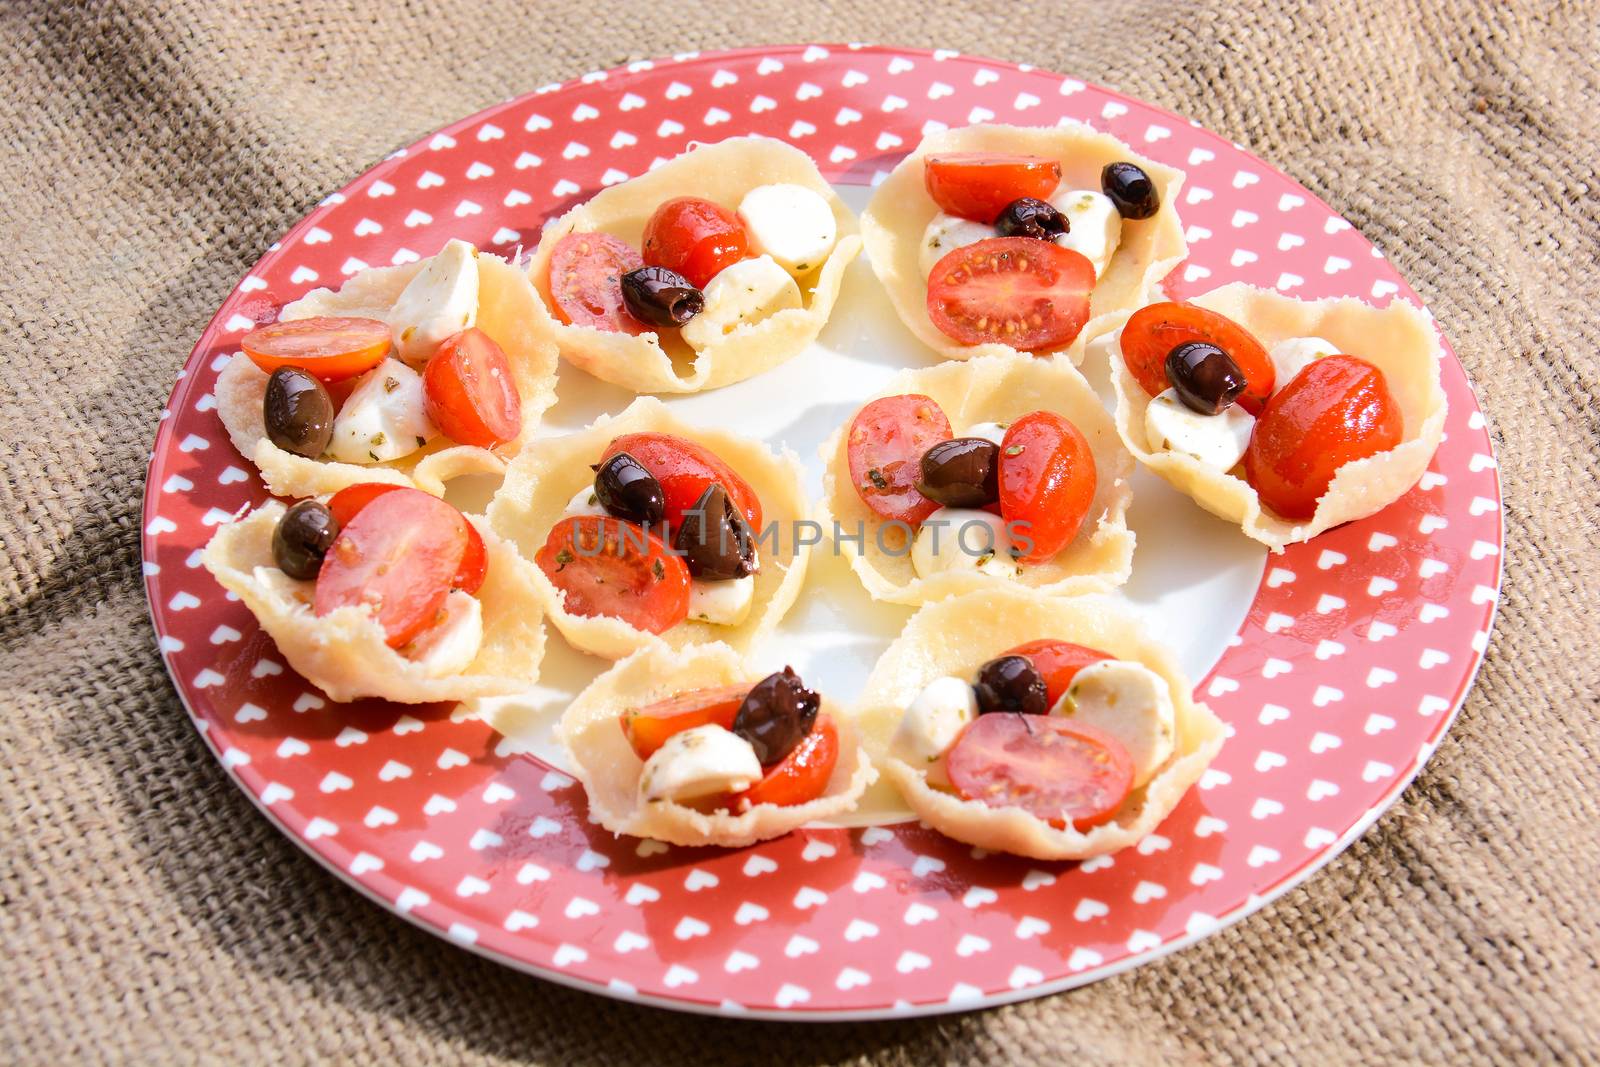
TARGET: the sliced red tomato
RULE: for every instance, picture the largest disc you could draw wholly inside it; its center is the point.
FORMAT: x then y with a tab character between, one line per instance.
1058	662
1338	409
685	469
979	185
1056	769
648	728
1155	330
586	272
696	238
1047	480
348	502
610	567
332	348
1015	291
469	391
398	554
885	445
799	777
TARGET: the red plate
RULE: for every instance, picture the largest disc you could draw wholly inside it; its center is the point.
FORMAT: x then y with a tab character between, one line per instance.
1347	669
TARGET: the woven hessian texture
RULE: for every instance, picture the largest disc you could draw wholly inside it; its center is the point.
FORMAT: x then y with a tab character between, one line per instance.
151	152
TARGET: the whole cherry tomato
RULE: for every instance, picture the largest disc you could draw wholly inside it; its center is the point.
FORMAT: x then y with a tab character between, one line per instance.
799	777
469	391
1047	482
685	469
696	238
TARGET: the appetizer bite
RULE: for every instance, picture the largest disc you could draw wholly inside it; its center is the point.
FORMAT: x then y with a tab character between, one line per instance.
695	748
998	471
708	270
645	529
385	591
407	375
1045	727
993	238
1288	417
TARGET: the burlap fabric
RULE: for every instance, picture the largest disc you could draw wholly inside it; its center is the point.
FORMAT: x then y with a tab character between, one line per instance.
147	913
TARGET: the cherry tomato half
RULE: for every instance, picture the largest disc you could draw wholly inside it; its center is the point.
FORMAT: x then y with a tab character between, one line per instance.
685	469
1047	480
609	567
586	272
648	728
332	348
979	185
1338	409
696	238
348	502
1155	330
1058	662
399	554
1056	769
1015	291
799	777
885	444
469	392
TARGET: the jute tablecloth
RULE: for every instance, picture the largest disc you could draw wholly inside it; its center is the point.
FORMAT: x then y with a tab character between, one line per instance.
152	151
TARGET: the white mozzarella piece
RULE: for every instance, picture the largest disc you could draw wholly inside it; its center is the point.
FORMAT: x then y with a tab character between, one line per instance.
989	431
442	300
1290	357
933	722
963	539
1216	440
1094	228
790	223
740	294
1130	702
948	232
699	762
725	603
1104	349
385	418
584	503
451	644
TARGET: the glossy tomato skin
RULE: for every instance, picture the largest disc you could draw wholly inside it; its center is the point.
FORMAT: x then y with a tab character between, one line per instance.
586	272
1054	768
1032	295
1058	662
1047	480
1338	409
884	446
348	502
685	469
696	238
399	554
979	185
1153	331
801	776
608	567
334	348
469	391
648	728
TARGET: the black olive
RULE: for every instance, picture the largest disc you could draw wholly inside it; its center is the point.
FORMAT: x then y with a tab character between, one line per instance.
298	412
304	535
629	491
1028	217
714	538
657	296
1206	378
776	715
1131	189
1011	683
963	472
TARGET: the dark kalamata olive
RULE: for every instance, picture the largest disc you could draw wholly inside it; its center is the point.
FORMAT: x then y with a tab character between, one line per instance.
776	715
1206	378
657	296
298	412
303	537
1027	217
1011	683
962	472
627	490
714	538
1130	188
